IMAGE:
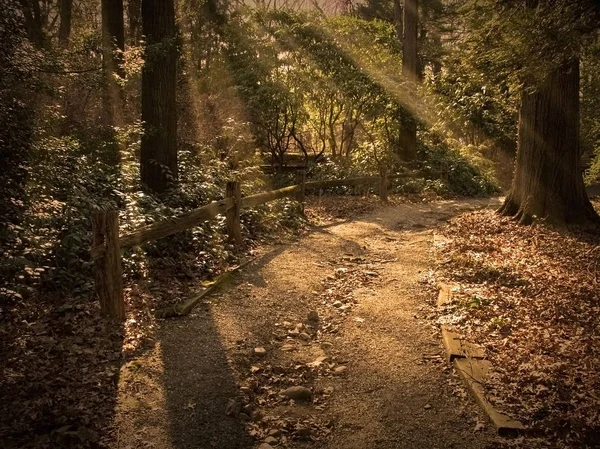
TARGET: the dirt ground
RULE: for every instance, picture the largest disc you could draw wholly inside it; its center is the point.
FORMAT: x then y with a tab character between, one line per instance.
373	361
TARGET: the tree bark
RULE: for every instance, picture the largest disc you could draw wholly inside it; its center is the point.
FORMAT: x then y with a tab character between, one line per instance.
134	11
398	18
64	30
410	57
548	182
113	35
410	70
33	21
113	45
158	158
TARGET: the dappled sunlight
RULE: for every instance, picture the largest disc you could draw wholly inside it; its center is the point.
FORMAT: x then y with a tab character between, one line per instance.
225	225
383	68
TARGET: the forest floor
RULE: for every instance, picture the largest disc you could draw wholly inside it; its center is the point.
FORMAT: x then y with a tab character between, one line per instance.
529	295
373	360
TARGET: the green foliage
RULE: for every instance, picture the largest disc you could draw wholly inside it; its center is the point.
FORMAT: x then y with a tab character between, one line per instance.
471	107
456	175
303	84
517	45
590	105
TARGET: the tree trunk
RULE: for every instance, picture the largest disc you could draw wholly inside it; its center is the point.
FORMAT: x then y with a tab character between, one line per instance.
64	31
410	57
398	18
33	21
113	45
113	35
548	183
158	158
410	70
134	11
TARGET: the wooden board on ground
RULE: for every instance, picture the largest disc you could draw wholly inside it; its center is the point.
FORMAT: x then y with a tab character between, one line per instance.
186	307
458	348
446	294
475	373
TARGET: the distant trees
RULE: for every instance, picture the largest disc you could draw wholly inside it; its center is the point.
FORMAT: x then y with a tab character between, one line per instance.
158	156
134	15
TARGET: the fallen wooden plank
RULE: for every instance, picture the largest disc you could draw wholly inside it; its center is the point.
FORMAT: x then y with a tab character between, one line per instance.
186	307
445	295
458	348
475	373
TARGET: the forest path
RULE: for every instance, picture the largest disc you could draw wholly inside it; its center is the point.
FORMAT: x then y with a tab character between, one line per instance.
384	383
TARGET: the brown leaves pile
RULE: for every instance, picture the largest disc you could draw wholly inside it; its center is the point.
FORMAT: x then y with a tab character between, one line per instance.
60	366
531	296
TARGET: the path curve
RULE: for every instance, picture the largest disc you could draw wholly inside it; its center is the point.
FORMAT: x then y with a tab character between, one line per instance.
374	360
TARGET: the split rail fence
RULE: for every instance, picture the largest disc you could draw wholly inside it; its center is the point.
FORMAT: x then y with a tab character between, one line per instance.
107	243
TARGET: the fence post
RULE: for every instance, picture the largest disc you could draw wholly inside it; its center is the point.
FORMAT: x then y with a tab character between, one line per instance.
234	230
383	186
109	274
300	193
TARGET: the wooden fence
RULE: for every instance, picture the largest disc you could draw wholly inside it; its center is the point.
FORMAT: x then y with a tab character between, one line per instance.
107	243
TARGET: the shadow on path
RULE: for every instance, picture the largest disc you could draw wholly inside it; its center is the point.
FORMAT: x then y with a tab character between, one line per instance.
199	384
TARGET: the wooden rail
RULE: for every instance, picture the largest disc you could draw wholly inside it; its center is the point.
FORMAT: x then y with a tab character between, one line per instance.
107	244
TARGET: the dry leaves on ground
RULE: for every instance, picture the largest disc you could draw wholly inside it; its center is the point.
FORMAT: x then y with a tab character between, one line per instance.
531	296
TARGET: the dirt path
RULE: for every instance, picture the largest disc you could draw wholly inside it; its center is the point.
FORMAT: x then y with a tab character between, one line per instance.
373	360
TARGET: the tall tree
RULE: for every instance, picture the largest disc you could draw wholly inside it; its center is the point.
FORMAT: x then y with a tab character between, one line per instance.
113	45
410	70
64	30
548	182
34	22
134	12
158	158
398	19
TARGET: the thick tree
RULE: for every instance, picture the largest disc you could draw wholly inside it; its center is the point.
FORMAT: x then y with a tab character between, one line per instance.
410	70
134	12
548	182
113	45
34	21
158	158
64	30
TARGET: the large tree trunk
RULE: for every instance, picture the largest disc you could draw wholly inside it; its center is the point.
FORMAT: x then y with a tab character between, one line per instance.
64	30
33	21
410	57
113	34
158	159
113	45
410	70
134	11
548	183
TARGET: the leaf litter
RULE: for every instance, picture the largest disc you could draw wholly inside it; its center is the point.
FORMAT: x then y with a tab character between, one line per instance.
531	297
